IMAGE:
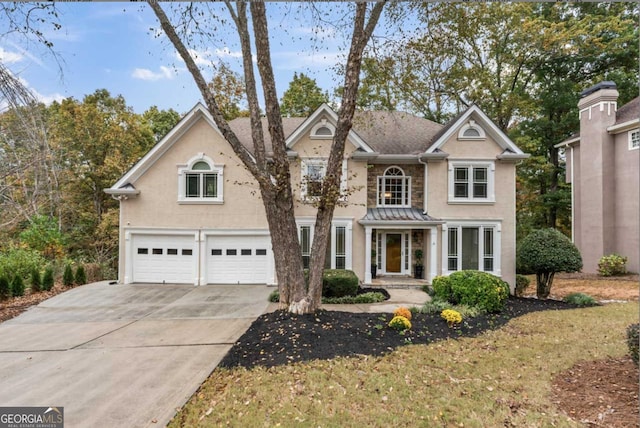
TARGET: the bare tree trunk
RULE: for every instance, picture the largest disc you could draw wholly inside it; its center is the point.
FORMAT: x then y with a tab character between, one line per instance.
362	32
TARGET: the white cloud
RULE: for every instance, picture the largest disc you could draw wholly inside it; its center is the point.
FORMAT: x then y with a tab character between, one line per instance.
227	53
291	60
146	74
8	57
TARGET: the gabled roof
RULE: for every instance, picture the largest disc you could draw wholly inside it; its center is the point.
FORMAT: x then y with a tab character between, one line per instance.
198	112
324	111
487	124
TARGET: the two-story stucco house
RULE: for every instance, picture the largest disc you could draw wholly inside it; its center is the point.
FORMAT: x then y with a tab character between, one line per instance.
190	212
603	164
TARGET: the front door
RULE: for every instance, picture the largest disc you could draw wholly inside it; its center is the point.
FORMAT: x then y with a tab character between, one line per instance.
393	253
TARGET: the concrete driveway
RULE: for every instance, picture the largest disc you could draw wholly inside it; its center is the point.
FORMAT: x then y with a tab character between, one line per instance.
122	355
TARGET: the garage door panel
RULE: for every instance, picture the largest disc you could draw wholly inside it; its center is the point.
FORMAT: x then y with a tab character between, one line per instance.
164	258
238	259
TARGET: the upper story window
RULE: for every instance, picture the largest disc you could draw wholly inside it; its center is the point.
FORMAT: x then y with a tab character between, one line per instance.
471	182
394	188
471	131
313	173
634	139
200	181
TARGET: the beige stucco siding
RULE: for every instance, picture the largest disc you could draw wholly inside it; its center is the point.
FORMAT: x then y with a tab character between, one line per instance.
502	210
354	207
157	204
627	217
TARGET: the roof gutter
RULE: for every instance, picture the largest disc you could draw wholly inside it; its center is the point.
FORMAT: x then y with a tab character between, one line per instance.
624	126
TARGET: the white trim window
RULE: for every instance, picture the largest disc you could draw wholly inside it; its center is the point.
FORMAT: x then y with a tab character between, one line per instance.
471	247
322	130
634	139
471	182
313	173
200	181
394	188
338	254
471	131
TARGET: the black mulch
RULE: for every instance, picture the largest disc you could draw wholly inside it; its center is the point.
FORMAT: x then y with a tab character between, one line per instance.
280	337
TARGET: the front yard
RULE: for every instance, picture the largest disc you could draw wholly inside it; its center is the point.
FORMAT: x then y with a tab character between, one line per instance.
534	371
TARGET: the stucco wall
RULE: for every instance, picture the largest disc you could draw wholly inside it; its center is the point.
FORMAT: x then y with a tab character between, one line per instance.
627	217
503	209
157	205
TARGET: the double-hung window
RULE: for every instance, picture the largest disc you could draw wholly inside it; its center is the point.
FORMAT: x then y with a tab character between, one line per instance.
634	139
313	174
394	188
471	182
200	181
473	247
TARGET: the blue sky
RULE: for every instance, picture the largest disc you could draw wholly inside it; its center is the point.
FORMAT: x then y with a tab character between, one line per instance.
110	45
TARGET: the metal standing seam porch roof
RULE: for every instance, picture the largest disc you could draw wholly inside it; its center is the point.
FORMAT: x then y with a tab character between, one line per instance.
406	216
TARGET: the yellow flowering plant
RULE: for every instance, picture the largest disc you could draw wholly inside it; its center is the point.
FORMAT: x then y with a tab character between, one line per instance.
400	323
402	312
452	317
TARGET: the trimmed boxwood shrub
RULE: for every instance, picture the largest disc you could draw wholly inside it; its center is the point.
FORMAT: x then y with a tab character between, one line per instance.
632	341
473	288
67	276
47	279
36	281
441	286
339	283
17	286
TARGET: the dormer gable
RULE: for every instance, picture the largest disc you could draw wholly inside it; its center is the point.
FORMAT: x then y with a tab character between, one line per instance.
321	125
474	125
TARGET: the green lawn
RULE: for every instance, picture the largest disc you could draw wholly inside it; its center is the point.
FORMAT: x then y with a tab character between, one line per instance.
502	378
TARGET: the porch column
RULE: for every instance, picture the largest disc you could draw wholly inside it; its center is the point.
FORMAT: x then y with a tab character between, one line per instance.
433	253
367	254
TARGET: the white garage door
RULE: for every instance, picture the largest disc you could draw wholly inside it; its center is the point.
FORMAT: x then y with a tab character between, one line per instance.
238	259
170	259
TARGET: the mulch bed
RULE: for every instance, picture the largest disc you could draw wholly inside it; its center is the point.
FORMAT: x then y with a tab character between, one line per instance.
280	337
600	393
15	306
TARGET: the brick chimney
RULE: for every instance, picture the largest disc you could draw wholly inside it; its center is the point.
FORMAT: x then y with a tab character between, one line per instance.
596	201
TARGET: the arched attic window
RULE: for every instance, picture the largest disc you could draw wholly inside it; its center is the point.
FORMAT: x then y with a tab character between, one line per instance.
471	131
200	181
394	188
323	130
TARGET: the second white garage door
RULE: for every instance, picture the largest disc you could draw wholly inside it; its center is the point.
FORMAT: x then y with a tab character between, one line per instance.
238	259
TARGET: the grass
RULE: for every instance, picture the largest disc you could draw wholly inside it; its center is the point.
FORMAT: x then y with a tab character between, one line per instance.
501	378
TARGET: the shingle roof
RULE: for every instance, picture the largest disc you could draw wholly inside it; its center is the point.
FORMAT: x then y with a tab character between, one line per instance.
242	128
386	132
629	111
394	132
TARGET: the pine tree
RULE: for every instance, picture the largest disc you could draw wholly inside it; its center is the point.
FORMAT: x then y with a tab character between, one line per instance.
81	276
67	276
5	288
47	279
36	281
17	286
